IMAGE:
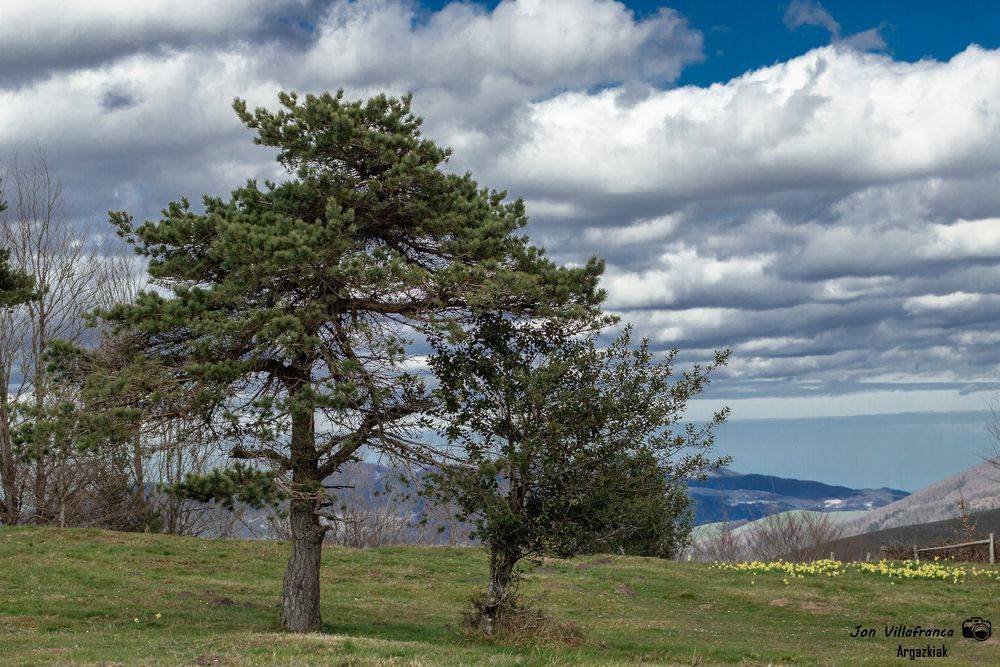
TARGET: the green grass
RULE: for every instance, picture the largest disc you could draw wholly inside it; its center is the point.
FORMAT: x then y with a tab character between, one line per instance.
73	596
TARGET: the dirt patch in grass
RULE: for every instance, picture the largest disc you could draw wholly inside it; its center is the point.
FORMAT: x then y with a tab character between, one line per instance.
624	590
808	605
211	597
820	607
603	560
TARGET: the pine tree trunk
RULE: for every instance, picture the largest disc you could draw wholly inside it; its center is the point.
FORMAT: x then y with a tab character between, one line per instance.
300	596
501	572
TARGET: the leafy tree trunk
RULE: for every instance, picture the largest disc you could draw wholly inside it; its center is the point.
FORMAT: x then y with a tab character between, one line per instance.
300	596
501	572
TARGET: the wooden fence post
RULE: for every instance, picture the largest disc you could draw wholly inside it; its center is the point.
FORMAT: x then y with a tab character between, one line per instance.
993	556
916	556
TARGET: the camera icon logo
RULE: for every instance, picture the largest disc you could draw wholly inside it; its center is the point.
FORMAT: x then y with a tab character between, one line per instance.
976	628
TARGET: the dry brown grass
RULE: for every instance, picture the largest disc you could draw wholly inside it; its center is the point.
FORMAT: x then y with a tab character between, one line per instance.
519	620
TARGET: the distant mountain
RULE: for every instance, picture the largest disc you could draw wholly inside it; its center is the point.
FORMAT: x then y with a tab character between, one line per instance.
724	495
732	496
979	486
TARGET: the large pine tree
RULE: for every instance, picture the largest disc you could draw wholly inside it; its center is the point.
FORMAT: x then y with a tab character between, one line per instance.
284	310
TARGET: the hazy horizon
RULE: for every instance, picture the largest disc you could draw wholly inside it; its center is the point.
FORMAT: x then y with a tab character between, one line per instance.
915	448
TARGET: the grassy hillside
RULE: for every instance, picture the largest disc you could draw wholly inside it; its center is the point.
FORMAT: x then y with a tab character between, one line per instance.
707	531
856	547
91	597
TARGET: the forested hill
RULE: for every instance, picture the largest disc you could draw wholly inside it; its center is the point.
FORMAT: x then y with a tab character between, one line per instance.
734	496
780	485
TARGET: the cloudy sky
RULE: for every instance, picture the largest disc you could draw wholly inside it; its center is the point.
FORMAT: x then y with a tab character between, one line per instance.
816	186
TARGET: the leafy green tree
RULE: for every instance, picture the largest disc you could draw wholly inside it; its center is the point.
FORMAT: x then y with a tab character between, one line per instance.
554	431
15	286
285	310
645	512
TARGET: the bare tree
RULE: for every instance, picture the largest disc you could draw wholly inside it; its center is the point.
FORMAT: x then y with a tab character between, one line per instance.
11	469
796	536
45	469
73	272
442	525
45	244
724	544
176	449
372	506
